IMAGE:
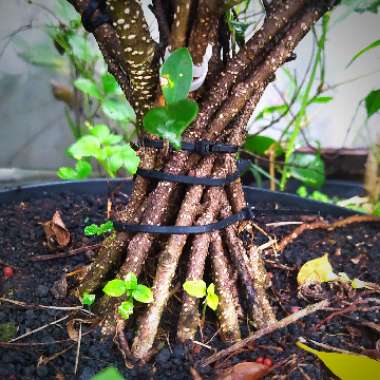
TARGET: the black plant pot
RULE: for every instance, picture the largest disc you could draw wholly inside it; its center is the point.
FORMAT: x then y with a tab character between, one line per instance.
255	197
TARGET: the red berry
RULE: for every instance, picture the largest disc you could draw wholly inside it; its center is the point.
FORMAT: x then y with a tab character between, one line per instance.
268	362
8	272
260	360
295	309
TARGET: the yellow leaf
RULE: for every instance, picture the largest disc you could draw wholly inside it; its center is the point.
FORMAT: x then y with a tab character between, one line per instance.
347	366
316	271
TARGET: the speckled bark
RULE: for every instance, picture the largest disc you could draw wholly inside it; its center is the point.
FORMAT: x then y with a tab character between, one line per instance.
227	314
179	29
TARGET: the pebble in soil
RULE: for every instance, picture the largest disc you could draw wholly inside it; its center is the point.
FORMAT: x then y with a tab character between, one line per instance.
353	250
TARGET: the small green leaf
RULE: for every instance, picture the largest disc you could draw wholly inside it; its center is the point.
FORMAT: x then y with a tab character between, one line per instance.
212	301
88	87
110	373
118	110
261	144
110	86
91	230
372	103
106	227
358	284
176	75
100	131
126	309
347	366
302	192
267	111
195	288
83	169
130	281
8	331
142	294
321	99
67	173
88	299
171	121
376	209
371	46
86	146
115	288
308	168
123	156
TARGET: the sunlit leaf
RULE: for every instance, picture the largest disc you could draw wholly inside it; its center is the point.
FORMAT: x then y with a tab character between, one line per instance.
316	271
176	75
372	102
94	229
347	366
101	131
123	157
358	284
126	309
88	299
212	301
195	288
110	373
83	169
260	145
86	146
115	288
308	168
142	293
130	281
67	173
171	121
110	85
88	87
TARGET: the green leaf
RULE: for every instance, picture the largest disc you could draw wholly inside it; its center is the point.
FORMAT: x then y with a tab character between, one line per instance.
82	49
308	168
302	192
320	99
371	46
106	227
347	366
372	103
118	110
91	230
267	111
42	55
361	6
212	301
376	210
101	132
8	330
260	144
110	373
86	146
94	229
142	294
176	75
115	288
67	173
358	284
126	309
88	299
195	288
88	87
170	122
124	156
130	281
83	169
316	271
110	85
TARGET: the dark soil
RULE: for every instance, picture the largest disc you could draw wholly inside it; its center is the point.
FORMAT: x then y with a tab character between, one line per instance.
354	250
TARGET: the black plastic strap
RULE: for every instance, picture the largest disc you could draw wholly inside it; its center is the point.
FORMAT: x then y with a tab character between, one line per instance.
191	180
89	22
248	213
201	147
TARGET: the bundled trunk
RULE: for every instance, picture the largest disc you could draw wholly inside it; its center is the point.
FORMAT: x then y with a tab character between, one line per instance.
229	100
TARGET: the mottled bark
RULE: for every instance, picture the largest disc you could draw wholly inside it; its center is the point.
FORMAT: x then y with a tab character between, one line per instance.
180	25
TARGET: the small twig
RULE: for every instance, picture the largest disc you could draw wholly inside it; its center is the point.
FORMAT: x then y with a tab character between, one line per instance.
78	349
203	345
281	224
32	306
330	348
43	360
31	332
60	255
266	330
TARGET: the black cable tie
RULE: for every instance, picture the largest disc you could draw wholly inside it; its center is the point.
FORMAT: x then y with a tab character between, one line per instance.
201	147
191	180
89	22
247	213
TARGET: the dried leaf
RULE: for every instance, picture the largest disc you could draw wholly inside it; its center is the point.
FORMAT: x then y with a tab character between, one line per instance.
316	271
59	288
245	371
347	366
71	331
56	232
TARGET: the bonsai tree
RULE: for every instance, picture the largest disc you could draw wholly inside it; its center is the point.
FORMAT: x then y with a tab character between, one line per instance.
219	110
